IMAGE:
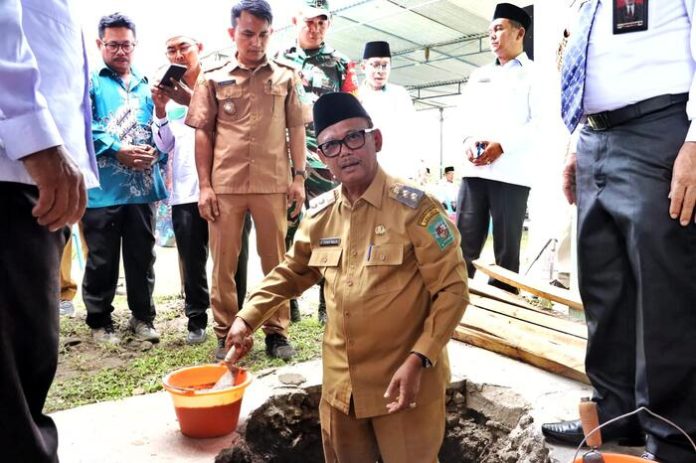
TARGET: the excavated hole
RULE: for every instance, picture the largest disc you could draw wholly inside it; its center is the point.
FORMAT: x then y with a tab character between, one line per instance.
485	424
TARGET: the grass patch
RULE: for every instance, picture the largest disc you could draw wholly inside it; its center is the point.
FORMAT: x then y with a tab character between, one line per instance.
89	373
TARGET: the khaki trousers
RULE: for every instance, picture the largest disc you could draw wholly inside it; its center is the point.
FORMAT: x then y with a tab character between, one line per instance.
268	212
68	286
413	436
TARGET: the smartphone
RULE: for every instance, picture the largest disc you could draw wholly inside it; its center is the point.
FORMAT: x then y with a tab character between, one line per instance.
174	71
480	148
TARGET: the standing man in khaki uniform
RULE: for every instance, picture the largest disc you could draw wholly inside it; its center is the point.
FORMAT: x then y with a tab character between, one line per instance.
396	288
322	70
241	113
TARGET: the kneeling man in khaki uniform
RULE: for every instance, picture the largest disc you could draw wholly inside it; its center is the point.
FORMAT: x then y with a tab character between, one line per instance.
396	288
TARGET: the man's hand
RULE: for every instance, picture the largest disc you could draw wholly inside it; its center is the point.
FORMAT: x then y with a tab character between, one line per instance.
178	91
569	177
138	157
160	99
296	195
62	194
239	336
492	151
683	190
470	148
208	204
405	384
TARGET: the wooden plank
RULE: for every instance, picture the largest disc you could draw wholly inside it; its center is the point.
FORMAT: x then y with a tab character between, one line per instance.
531	285
547	349
519	331
486	290
493	344
491	292
534	316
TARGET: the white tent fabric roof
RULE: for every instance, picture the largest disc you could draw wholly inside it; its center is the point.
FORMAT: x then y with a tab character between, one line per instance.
436	44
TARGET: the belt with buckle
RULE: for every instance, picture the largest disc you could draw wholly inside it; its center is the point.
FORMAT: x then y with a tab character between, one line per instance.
608	119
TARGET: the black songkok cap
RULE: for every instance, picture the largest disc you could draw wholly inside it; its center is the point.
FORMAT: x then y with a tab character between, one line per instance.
512	12
376	50
449	169
332	108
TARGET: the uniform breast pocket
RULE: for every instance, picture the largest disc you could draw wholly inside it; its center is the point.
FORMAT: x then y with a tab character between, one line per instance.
230	102
327	261
276	95
382	269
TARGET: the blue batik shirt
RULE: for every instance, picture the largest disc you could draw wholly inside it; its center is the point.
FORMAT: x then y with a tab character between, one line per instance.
122	115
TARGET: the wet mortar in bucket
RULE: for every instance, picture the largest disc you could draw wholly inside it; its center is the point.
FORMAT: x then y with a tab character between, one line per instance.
203	412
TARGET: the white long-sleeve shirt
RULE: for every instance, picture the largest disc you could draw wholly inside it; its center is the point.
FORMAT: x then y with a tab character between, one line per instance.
623	69
392	112
173	136
44	100
504	104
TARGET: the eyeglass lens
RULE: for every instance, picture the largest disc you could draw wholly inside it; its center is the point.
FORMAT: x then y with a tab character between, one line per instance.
114	46
353	140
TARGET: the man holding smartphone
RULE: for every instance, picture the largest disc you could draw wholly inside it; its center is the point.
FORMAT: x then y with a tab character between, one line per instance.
248	117
500	144
171	135
122	210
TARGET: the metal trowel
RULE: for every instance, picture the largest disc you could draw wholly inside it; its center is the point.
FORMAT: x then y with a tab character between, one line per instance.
229	378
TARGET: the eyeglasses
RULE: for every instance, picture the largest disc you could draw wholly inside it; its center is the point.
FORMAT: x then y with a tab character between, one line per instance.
353	140
379	66
183	49
113	47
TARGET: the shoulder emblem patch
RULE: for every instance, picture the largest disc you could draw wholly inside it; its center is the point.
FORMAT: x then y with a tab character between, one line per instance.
407	195
427	216
321	202
439	229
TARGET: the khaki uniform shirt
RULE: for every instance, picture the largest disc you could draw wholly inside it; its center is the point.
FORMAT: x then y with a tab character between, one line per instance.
249	112
396	283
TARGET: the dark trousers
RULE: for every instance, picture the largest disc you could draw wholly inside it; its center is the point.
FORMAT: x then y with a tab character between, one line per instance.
107	230
29	291
480	201
240	278
191	233
637	275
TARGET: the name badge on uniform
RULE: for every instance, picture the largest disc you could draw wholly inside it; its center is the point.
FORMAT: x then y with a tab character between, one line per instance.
329	241
630	16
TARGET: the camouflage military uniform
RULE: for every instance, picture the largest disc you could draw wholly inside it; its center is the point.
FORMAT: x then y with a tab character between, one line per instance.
322	71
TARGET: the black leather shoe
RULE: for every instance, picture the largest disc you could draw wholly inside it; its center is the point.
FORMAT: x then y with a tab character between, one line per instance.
277	346
648	456
570	433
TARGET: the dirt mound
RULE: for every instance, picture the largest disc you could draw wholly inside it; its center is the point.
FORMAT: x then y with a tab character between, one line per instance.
485	424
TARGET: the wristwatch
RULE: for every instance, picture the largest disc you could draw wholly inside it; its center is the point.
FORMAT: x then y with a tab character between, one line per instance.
425	361
301	173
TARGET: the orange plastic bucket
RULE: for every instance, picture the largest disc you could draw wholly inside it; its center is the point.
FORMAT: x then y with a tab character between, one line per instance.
617	458
202	412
